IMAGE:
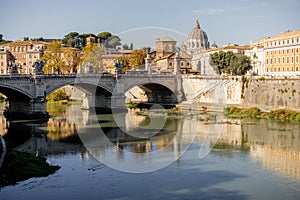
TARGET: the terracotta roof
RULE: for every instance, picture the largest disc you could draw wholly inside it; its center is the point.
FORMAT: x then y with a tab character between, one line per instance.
172	56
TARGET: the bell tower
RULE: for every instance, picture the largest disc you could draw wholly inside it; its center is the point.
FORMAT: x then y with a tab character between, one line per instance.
165	46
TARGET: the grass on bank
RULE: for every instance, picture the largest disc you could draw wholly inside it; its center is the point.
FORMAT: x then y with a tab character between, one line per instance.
280	114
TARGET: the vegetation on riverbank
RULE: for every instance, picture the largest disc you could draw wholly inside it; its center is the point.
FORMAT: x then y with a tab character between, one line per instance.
2	98
19	166
58	96
61	97
132	105
281	114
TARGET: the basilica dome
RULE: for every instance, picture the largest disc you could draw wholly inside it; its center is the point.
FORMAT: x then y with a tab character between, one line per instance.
197	40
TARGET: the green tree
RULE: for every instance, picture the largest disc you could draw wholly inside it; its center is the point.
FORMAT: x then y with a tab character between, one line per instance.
69	40
126	65
125	47
113	42
53	58
136	59
93	56
104	36
58	95
221	61
240	64
71	58
227	62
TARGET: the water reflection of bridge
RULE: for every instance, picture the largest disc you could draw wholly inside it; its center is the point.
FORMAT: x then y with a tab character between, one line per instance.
266	141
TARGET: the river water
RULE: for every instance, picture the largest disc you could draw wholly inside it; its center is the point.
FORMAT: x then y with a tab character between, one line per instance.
157	155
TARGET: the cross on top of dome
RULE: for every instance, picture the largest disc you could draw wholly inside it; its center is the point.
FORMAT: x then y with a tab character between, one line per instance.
197	25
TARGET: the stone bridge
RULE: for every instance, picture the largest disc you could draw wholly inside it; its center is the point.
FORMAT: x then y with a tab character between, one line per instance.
26	94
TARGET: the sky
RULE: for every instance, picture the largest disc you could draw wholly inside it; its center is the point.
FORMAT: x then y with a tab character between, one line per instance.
141	22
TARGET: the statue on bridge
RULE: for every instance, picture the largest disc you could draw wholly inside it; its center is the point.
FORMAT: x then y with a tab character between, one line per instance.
38	67
13	68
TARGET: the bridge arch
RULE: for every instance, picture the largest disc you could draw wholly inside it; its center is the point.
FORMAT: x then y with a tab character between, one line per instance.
156	92
14	93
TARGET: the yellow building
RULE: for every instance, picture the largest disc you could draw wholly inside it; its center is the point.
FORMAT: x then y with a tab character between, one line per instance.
23	52
280	53
4	59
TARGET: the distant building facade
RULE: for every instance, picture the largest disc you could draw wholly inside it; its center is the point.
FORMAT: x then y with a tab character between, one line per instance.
23	52
164	59
277	55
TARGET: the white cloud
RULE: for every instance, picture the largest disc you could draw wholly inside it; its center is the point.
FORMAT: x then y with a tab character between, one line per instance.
214	11
209	11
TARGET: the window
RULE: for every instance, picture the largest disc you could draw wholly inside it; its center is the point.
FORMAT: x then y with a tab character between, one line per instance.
292	60
287	69
170	64
278	51
274	60
267	61
297	59
275	69
287	60
188	64
282	51
296	68
282	60
288	41
287	51
271	61
292	50
1	63
279	69
181	64
278	60
283	69
296	50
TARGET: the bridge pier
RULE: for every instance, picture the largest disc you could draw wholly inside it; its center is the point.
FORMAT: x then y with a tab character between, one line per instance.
118	103
33	109
102	102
